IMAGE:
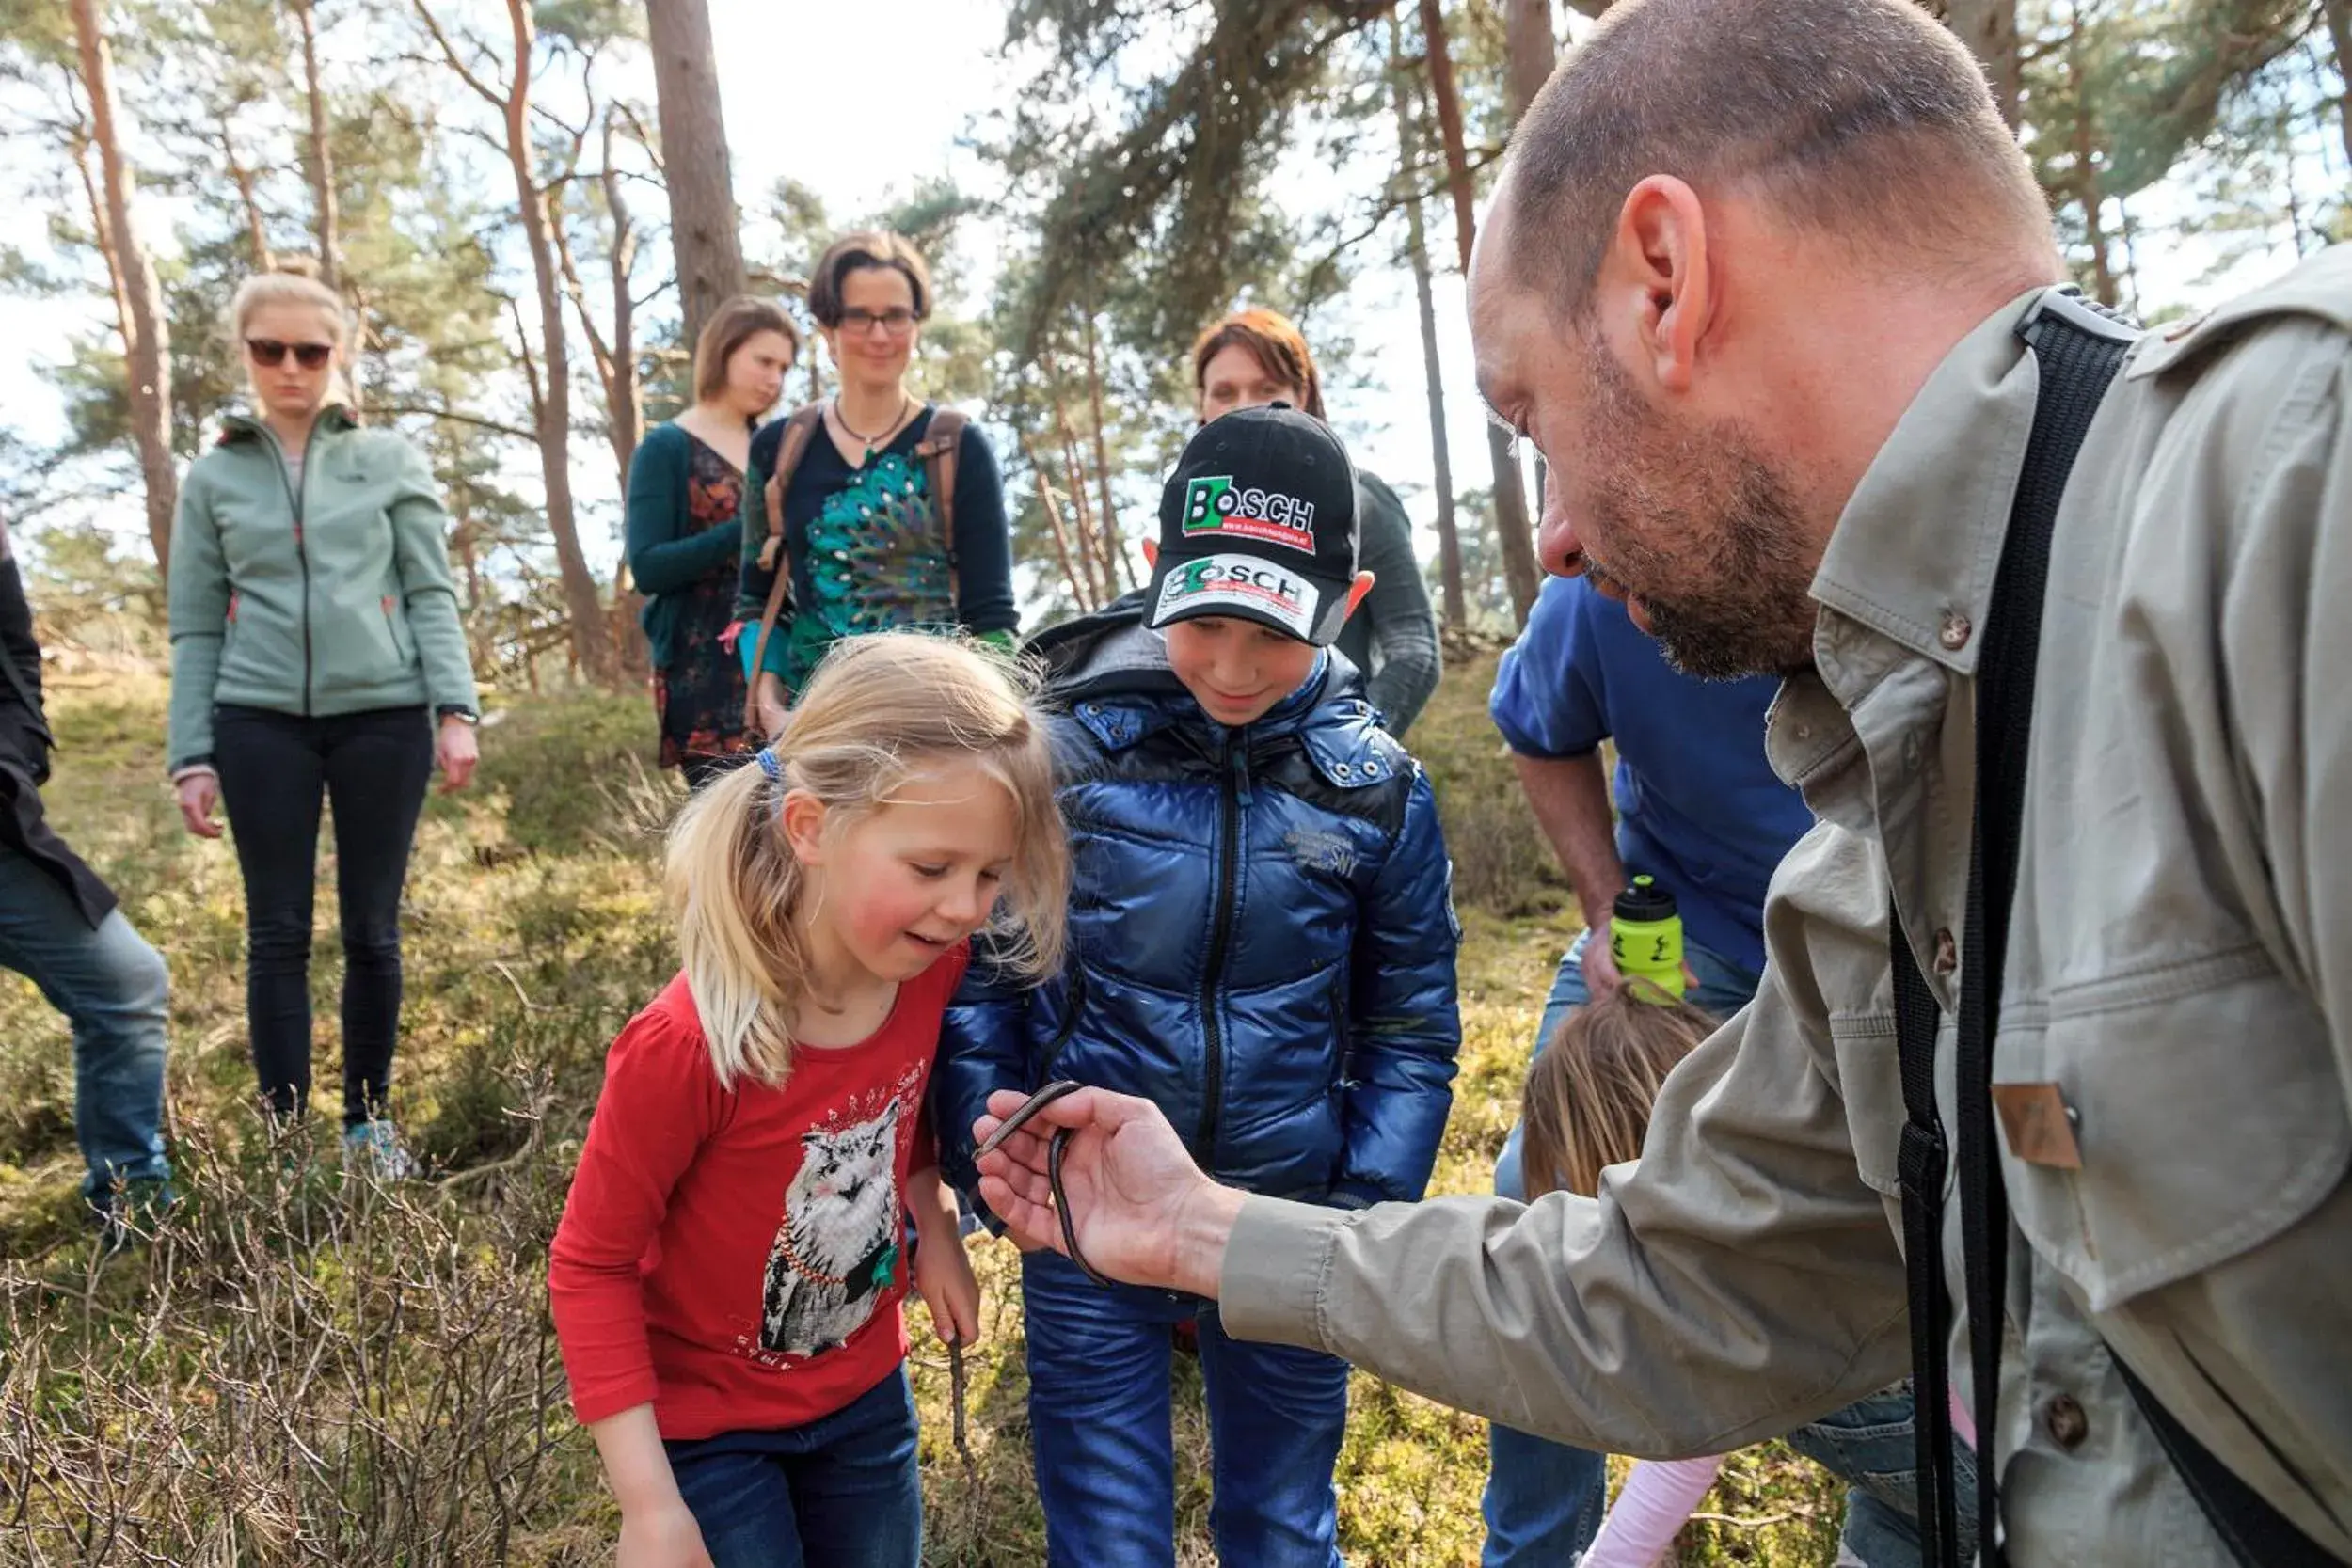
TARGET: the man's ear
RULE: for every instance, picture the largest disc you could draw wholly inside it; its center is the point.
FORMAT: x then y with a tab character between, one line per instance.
1152	554
803	819
1655	279
1356	591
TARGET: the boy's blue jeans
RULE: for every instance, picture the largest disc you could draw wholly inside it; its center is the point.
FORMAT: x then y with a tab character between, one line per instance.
1099	1413
113	989
840	1491
1544	1500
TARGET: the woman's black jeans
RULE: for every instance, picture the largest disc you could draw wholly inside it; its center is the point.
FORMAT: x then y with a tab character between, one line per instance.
274	768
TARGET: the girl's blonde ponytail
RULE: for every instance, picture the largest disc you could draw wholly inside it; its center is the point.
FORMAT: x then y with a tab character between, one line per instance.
733	882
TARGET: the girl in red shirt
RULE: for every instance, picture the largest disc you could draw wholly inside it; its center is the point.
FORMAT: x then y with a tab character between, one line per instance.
727	1277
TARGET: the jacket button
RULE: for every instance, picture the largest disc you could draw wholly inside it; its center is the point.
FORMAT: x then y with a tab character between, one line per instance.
1956	631
2065	1421
1946	952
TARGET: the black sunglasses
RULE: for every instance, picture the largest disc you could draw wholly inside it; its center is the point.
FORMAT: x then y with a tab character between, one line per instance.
270	352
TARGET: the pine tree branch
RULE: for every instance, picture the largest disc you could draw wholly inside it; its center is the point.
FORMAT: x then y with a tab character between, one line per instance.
455	415
449	51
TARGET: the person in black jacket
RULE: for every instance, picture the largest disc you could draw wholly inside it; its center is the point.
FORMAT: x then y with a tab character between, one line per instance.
60	928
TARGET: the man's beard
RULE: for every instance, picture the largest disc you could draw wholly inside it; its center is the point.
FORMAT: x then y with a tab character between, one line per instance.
1747	612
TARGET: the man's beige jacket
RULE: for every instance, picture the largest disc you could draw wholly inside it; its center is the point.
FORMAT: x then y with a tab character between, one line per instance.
2177	992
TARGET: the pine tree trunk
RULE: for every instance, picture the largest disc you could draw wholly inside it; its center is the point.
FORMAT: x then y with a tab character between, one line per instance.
2340	37
1989	28
1511	533
256	233
1533	51
625	407
591	649
1113	543
105	232
704	227
2087	195
318	158
147	341
1433	373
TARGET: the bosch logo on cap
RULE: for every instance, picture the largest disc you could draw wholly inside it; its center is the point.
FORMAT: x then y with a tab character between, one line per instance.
1212	504
1199	576
1240	583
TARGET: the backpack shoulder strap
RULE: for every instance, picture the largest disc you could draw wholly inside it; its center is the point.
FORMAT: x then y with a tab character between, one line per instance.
776	555
938	450
799	427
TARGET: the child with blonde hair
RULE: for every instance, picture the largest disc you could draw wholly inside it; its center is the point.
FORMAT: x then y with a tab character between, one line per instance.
727	1277
1587	1107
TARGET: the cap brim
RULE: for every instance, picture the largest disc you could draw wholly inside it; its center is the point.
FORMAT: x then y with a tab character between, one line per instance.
1305	605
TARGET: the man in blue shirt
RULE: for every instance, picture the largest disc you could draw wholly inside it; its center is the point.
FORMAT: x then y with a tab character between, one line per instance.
1696	807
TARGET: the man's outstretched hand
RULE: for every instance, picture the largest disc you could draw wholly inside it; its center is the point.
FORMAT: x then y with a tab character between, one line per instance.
1142	1210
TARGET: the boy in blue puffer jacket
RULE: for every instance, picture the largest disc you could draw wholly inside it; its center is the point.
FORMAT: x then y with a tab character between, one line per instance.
1262	942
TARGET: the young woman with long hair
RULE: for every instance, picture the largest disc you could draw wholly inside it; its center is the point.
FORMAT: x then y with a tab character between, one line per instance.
685	533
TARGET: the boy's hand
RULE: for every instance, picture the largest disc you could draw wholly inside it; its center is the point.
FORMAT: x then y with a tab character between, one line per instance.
666	1537
943	1279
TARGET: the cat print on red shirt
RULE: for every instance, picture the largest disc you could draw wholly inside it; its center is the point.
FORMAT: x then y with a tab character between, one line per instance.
838	1248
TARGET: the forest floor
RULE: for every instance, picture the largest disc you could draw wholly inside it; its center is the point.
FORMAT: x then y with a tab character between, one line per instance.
302	1368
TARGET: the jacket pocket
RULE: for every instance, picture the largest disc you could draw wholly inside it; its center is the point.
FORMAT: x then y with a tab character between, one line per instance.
394	616
1869	1077
2204	1111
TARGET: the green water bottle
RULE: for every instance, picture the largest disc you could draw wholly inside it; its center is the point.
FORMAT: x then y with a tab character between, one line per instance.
1646	939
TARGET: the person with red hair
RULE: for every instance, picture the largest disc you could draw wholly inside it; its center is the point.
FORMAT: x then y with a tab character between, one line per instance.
1258	356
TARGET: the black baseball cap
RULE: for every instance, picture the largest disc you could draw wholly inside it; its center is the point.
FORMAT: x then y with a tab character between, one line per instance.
1258	522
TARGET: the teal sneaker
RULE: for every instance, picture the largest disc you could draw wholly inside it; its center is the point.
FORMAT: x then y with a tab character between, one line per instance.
375	1147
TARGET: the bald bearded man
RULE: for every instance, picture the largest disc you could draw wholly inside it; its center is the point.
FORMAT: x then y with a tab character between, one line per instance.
1772	290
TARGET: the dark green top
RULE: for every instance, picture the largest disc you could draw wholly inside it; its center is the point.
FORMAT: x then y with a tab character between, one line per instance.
668	554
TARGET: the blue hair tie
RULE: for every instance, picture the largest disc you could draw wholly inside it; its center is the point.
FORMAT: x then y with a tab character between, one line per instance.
769	764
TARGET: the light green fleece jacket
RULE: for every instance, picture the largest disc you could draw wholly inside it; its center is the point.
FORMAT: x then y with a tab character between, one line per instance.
324	595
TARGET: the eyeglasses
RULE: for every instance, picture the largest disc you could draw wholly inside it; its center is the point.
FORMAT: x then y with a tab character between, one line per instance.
270	352
897	321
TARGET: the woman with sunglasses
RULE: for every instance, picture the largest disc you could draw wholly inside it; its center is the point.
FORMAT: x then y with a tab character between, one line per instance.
684	495
867	544
316	654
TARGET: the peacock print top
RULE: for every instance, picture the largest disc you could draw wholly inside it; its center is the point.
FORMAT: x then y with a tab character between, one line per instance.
866	549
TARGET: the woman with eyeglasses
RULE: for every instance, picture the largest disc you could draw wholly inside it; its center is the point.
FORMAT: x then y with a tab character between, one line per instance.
858	530
316	655
684	499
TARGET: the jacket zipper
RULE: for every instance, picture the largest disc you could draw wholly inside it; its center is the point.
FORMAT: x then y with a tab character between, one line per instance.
302	554
1233	781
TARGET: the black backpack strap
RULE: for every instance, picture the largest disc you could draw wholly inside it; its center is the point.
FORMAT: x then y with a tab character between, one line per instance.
2078	353
1920	1162
2257	1534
